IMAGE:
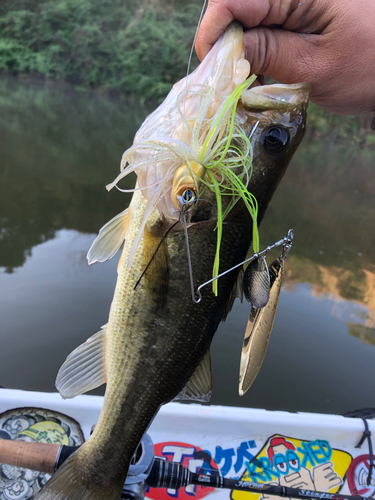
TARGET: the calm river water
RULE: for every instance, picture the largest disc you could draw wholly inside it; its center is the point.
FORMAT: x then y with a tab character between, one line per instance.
58	150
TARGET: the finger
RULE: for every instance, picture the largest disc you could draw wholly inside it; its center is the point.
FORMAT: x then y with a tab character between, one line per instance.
321	60
283	55
213	25
220	13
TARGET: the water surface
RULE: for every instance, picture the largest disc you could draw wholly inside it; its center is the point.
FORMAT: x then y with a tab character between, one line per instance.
58	150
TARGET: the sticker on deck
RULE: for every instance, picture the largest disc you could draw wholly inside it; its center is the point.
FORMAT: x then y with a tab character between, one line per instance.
193	457
33	425
284	461
358	477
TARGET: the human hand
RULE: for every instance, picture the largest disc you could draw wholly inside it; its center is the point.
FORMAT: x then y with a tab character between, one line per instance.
329	43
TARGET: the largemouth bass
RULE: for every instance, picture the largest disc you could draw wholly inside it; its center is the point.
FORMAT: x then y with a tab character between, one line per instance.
155	347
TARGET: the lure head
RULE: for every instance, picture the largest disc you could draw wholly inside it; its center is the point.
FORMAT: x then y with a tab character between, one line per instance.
186	183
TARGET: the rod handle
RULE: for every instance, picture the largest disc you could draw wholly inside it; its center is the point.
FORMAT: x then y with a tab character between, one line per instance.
35	456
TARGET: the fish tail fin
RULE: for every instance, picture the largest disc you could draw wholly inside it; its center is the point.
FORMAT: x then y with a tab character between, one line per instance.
70	483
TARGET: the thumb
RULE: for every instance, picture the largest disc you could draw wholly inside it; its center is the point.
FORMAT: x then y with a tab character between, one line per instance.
285	56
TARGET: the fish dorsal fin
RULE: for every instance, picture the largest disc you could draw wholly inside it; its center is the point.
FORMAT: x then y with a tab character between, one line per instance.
109	239
237	292
83	369
199	387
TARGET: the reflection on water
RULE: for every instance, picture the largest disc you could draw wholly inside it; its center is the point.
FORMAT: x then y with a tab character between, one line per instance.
50	305
362	332
345	287
312	364
58	150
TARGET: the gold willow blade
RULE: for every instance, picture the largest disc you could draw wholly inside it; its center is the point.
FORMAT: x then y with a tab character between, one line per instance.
258	331
259	327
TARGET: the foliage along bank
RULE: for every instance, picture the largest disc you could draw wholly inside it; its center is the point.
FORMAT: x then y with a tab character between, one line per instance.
137	48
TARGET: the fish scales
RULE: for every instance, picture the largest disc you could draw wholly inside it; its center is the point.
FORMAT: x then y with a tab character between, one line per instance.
141	347
157	338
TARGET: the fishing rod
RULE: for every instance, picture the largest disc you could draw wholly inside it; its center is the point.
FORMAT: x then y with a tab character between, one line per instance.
147	470
165	474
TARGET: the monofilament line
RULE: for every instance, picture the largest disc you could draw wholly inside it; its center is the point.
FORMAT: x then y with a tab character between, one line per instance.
153	255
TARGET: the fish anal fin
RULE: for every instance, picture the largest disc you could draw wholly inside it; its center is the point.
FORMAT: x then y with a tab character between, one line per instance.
199	386
83	370
110	238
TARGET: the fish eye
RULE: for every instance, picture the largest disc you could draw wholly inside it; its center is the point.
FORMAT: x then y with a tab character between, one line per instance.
188	196
275	139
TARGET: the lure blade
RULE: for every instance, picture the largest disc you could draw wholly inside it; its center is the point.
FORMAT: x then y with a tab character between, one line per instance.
256	283
258	330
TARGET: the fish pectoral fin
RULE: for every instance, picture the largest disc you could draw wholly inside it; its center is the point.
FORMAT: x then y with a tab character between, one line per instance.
83	370
199	387
237	292
110	238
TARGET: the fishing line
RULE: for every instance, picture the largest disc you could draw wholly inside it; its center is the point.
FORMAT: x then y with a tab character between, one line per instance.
195	37
157	248
132	190
192	49
182	221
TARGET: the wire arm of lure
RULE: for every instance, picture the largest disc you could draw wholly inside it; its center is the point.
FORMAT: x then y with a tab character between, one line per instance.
286	242
183	216
287	245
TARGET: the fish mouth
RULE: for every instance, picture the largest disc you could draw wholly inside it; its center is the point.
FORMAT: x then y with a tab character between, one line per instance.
277	96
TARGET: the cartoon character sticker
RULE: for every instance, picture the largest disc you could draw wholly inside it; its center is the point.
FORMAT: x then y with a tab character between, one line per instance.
33	425
358	477
311	465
